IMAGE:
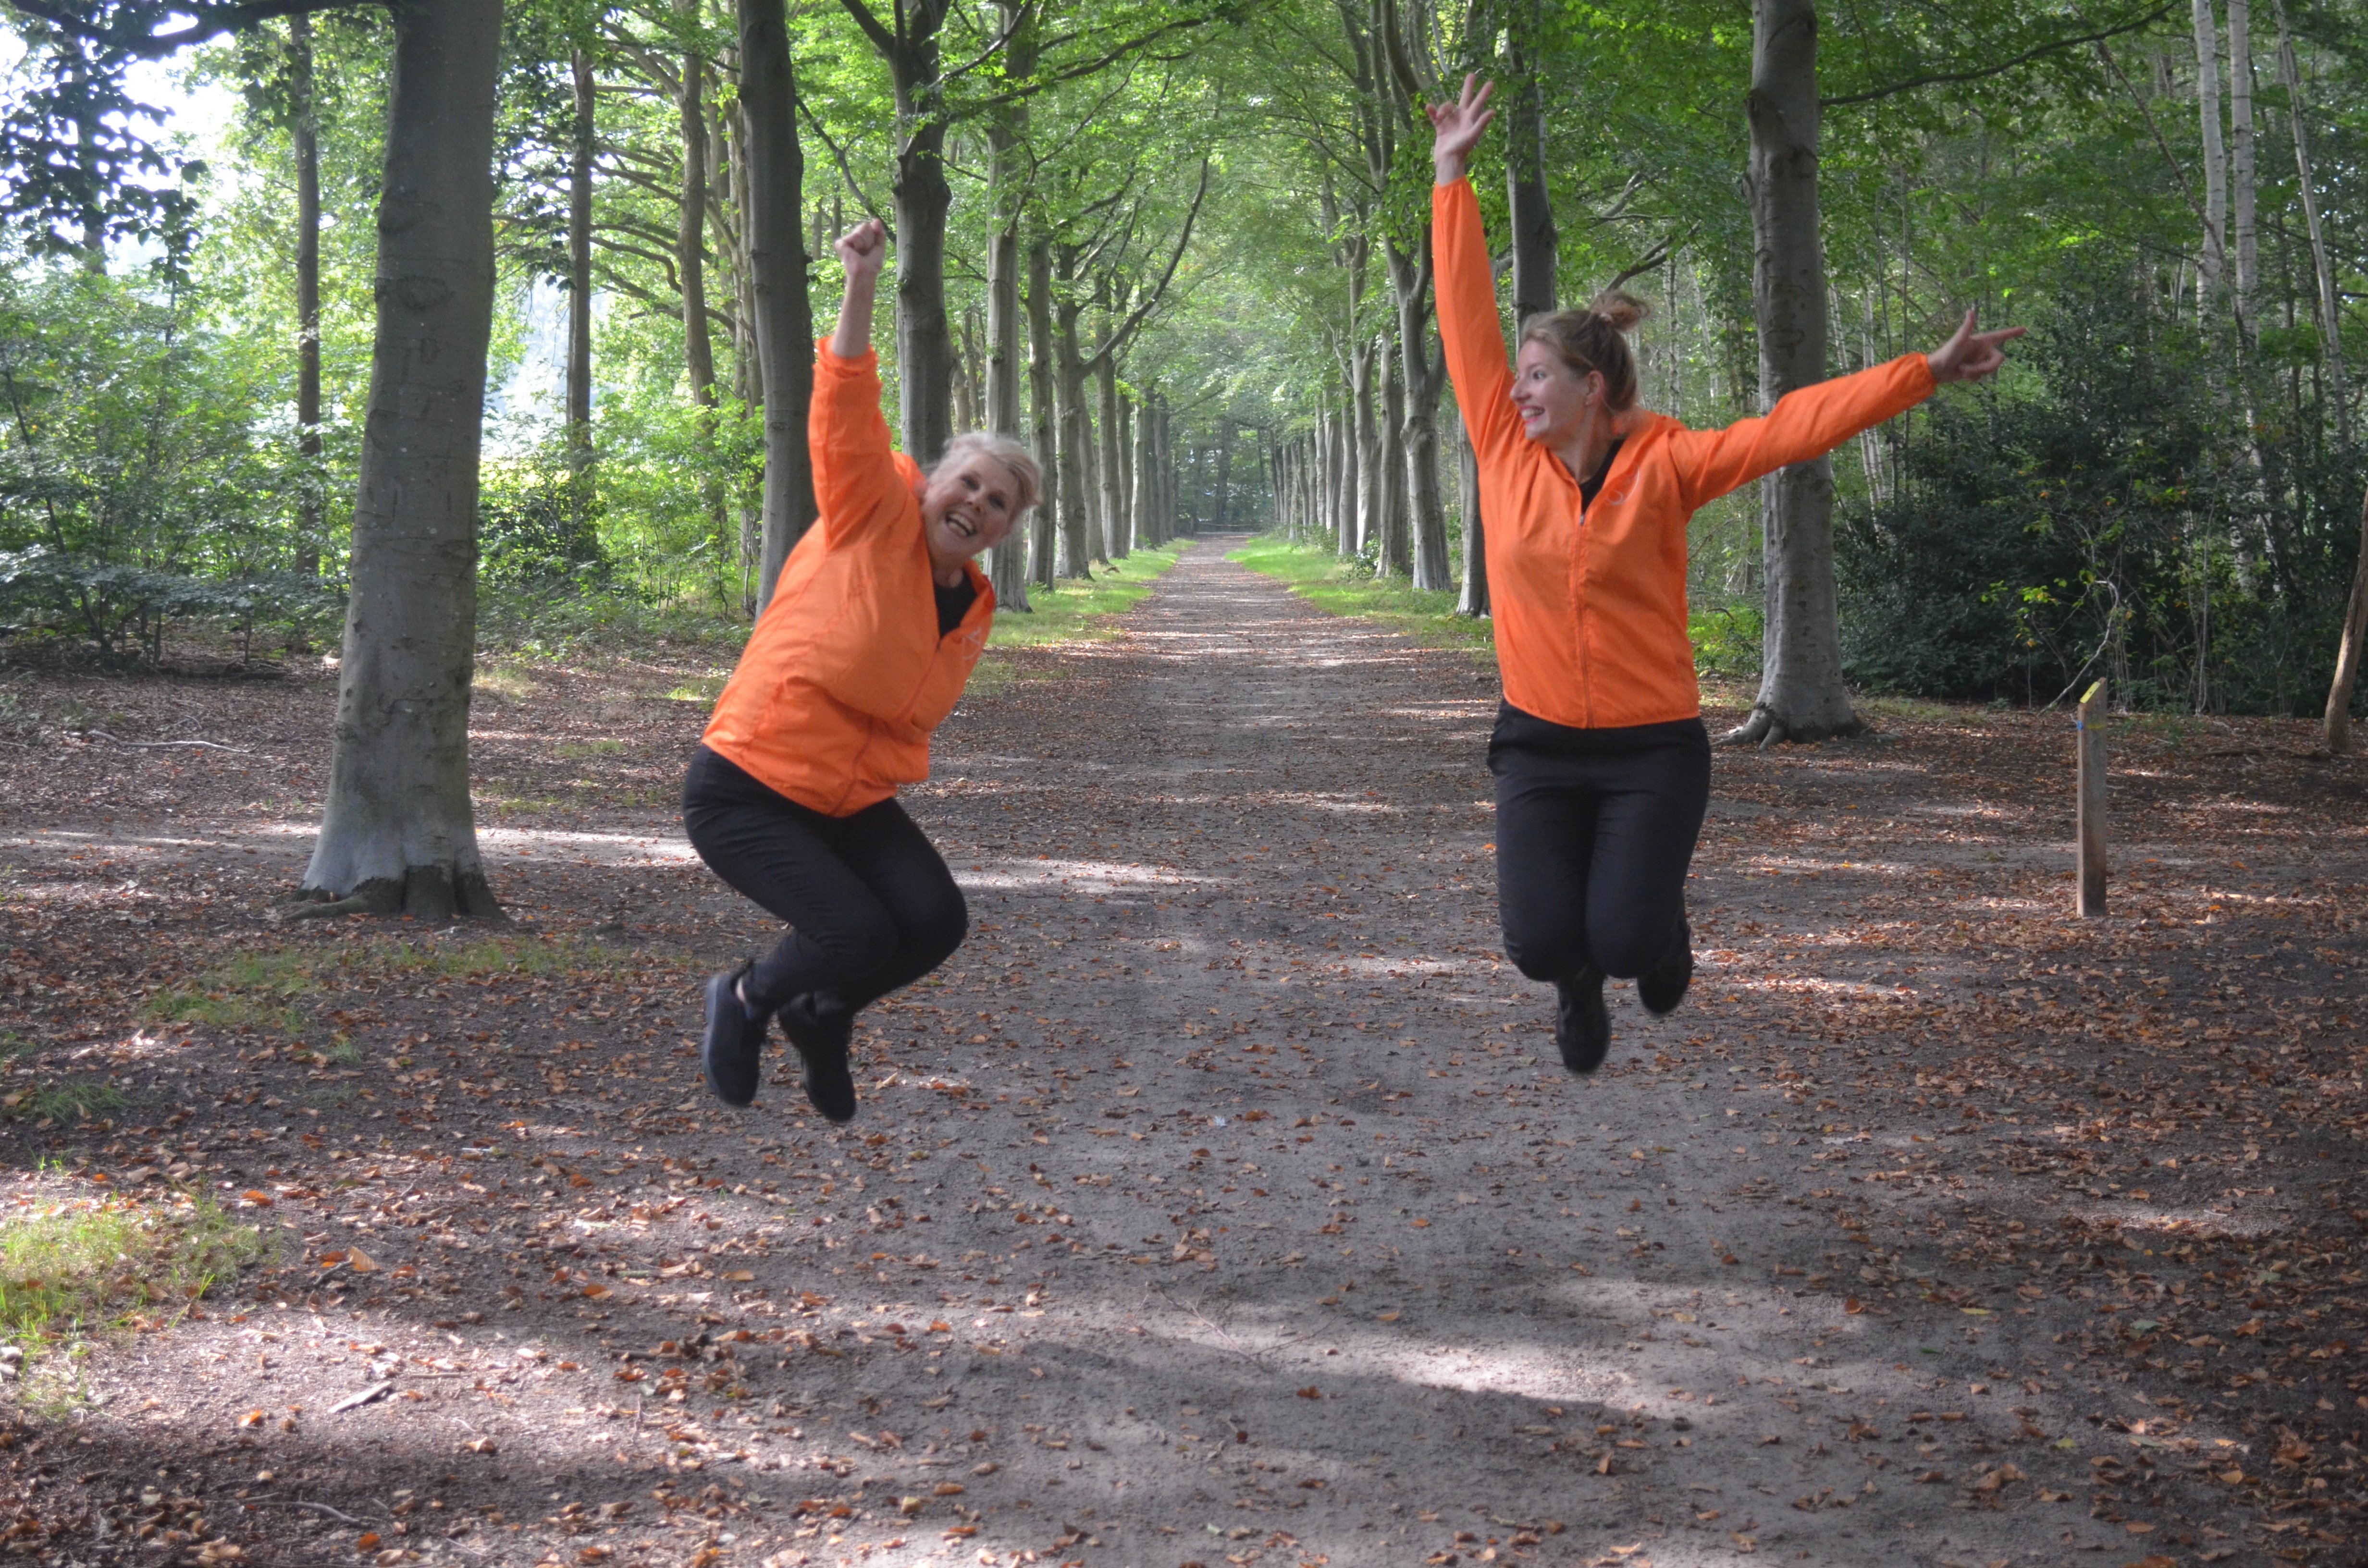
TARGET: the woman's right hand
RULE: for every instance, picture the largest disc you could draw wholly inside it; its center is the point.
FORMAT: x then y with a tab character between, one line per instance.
863	249
1456	128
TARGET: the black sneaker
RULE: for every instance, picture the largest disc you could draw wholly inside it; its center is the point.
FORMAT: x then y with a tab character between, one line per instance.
1663	986
823	1029
1582	1024
732	1051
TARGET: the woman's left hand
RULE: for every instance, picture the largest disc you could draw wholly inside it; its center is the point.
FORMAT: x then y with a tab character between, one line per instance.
1969	355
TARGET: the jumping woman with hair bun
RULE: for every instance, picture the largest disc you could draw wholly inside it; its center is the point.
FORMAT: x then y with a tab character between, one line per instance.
1602	762
878	619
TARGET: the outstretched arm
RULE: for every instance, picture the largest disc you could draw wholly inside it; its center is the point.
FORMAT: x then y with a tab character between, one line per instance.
861	250
1468	328
1813	421
857	482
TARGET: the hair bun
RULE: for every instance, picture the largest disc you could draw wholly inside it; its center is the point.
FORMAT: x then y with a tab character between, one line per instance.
1618	309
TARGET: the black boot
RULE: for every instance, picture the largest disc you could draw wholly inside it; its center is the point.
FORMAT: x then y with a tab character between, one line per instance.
1582	1024
1663	986
823	1029
731	1050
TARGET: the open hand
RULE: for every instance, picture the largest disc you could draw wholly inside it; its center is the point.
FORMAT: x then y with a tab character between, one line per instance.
1969	355
1456	128
863	248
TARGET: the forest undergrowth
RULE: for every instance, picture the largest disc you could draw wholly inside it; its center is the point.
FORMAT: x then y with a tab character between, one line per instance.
1221	1200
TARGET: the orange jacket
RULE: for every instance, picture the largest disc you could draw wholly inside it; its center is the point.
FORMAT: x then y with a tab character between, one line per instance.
1590	609
845	675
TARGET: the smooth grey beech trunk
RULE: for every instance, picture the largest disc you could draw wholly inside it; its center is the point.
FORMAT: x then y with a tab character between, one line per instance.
690	266
2213	262
398	834
1418	434
1069	396
1138	479
1365	453
1043	406
584	150
1802	696
304	127
1343	483
1393	557
1007	565
1473	600
1110	477
1222	507
772	217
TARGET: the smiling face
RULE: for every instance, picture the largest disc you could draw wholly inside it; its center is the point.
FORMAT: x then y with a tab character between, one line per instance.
1552	398
971	503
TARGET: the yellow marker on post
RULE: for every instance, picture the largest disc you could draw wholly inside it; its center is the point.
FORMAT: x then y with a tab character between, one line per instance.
2091	787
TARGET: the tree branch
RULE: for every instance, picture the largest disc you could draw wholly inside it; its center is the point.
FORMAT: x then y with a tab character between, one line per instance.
2025	58
873	28
845	168
210	21
1125	329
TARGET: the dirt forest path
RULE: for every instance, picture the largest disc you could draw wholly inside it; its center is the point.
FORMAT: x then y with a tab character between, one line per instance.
1223	1200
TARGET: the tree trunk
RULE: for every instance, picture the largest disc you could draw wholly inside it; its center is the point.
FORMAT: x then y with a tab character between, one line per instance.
584	149
1042	405
2214	261
305	126
691	265
2330	301
398	834
2241	184
1076	551
1221	507
1007	565
772	205
1532	205
1474	599
925	351
1427	510
1392	558
2338	722
1343	483
1365	459
1802	696
1111	477
1142	530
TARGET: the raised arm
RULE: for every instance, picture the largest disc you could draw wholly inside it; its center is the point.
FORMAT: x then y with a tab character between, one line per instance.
857	482
1468	328
1812	421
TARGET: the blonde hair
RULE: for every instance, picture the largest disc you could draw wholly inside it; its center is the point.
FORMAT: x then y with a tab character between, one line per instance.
1596	339
1015	458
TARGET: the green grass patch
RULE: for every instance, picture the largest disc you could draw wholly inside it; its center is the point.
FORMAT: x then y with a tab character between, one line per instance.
267	991
69	1099
1325	581
577	751
77	1267
1084	608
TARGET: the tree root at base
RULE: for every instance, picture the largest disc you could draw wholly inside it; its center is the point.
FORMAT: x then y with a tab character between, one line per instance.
424	892
1762	728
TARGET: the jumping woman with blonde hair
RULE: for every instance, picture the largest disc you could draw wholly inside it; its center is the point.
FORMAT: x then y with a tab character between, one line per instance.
877	622
1602	762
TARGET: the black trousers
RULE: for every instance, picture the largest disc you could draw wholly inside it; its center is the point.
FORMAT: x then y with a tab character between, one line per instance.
1595	830
868	901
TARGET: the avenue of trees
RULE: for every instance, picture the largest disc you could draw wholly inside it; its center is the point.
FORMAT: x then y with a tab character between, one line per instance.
1180	246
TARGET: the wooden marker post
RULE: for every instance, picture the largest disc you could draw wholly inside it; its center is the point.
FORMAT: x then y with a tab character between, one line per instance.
2092	802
